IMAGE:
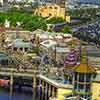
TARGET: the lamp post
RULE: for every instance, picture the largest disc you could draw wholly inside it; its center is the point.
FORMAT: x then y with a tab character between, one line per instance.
55	52
11	84
17	29
35	75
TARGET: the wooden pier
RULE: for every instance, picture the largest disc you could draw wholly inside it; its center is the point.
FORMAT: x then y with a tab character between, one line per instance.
41	85
13	72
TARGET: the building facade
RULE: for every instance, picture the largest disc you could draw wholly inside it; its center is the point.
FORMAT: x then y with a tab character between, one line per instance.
51	10
83	75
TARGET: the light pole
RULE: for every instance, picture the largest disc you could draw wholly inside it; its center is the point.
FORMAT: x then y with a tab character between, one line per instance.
11	84
55	52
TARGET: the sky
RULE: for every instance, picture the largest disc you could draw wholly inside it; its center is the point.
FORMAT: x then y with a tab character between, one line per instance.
82	1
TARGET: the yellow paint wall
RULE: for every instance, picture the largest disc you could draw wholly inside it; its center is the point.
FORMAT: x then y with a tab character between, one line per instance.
61	93
49	9
68	19
54	10
95	89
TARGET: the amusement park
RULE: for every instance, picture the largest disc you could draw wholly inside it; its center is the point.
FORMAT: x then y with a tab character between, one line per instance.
45	54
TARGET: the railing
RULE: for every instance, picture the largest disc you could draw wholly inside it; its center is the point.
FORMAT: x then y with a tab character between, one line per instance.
82	91
16	72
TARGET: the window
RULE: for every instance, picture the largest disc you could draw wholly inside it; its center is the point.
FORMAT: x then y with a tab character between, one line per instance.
75	86
56	7
87	87
81	77
50	7
50	14
26	49
15	49
75	76
88	77
81	86
40	14
21	49
45	7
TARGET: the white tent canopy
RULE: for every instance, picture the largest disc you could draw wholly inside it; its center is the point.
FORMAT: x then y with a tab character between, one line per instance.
48	43
44	36
62	49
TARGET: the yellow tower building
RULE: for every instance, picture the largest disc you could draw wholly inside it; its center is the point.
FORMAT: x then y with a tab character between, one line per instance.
51	10
54	9
83	77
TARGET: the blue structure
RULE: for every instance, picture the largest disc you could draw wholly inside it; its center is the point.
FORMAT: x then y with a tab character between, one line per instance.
4	59
93	2
90	1
21	45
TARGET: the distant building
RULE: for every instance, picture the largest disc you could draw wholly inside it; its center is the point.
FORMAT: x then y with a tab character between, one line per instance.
83	75
1	2
4	3
58	2
93	2
89	1
51	10
74	3
19	45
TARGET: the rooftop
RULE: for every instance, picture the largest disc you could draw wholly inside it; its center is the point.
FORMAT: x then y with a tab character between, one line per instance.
83	67
19	43
48	43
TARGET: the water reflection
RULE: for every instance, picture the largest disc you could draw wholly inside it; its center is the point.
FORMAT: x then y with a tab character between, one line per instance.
17	95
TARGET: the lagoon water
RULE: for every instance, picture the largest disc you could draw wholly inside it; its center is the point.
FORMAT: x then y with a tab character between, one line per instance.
17	95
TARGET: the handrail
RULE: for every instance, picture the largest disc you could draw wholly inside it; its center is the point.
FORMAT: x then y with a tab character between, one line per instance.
18	71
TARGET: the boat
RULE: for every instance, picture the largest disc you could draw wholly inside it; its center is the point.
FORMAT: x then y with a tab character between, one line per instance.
4	82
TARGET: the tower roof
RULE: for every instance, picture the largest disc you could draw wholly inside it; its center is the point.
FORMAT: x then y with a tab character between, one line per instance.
83	67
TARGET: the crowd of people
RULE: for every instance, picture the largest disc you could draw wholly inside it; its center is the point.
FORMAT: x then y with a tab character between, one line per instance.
89	32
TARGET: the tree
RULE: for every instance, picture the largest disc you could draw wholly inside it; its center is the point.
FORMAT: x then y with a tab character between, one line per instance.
54	20
34	23
2	18
28	21
66	30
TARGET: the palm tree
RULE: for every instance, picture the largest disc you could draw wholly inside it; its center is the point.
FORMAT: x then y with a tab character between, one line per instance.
2	41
